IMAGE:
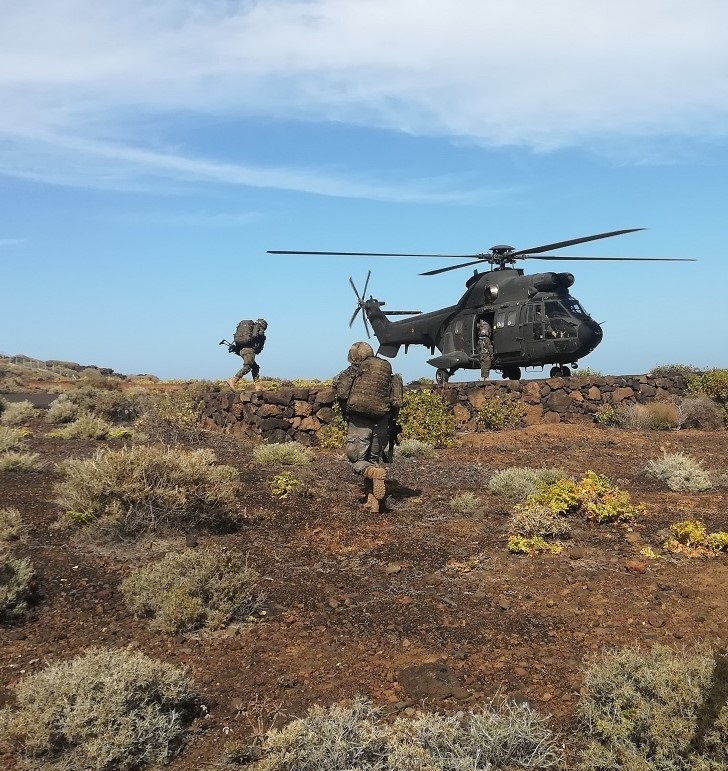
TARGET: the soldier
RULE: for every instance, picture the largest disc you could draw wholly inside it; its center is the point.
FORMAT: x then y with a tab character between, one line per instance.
248	342
485	348
368	393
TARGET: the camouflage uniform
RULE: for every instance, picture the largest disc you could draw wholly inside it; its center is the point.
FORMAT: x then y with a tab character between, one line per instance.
485	349
367	435
248	355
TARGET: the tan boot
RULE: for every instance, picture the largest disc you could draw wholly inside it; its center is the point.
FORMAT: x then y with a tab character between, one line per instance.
372	504
232	382
257	385
377	474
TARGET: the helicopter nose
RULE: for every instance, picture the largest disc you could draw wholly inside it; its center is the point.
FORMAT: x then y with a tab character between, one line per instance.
590	334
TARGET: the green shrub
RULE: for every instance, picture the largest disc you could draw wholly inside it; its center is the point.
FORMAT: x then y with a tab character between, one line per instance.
693	534
18	413
594	497
519	544
288	454
11	525
142	489
519	483
282	485
535	519
333	434
107	403
714	384
105	709
680	472
674	370
355	738
415	448
171	418
646	710
16	584
465	503
717	541
606	415
655	416
193	589
10	438
497	413
20	461
425	416
86	426
62	410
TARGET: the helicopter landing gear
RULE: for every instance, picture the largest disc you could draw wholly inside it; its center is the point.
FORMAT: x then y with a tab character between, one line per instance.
512	373
442	376
562	371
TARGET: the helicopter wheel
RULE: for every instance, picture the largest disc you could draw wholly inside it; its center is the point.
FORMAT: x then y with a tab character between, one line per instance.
512	373
562	371
565	371
442	376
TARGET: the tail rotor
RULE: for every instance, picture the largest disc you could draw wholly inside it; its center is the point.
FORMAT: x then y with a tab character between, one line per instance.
360	304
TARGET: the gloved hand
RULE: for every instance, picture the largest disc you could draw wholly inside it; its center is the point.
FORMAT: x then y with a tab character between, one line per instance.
232	348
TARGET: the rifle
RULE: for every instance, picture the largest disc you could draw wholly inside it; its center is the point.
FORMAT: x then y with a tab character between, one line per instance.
395	429
232	348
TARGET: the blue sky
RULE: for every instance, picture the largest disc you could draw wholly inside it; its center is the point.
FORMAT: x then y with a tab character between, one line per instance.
150	154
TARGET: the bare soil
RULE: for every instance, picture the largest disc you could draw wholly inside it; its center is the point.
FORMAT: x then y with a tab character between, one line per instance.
421	607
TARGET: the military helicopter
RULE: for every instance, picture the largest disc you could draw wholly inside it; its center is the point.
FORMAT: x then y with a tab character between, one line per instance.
535	322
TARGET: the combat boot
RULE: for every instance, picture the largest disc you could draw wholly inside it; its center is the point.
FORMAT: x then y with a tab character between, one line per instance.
377	474
257	385
232	382
372	504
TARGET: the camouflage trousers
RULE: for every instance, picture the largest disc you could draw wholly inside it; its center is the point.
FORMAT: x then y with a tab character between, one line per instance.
366	440
249	364
485	351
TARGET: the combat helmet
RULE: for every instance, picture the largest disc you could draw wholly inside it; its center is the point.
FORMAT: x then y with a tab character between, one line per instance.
358	352
262	323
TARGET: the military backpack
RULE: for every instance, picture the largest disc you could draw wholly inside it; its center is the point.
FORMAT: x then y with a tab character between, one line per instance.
370	393
245	333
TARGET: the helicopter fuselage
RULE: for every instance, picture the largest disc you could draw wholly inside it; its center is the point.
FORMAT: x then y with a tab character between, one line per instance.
534	321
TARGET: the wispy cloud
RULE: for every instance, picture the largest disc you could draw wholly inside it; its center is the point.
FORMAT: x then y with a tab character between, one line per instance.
78	78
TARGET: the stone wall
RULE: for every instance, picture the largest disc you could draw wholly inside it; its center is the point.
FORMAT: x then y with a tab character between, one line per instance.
297	414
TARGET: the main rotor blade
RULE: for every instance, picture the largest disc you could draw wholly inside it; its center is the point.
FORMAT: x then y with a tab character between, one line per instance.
380	254
571	242
366	285
612	259
356	291
353	316
401	313
450	267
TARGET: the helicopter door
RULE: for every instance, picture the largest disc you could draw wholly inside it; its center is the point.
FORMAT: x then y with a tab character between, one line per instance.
463	334
507	334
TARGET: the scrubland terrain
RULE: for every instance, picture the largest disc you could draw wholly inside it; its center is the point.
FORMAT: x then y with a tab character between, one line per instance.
420	610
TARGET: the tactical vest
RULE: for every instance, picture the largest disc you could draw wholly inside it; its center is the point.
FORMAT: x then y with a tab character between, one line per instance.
370	394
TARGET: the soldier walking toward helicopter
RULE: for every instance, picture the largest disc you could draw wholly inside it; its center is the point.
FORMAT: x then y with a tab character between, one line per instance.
368	394
248	341
485	348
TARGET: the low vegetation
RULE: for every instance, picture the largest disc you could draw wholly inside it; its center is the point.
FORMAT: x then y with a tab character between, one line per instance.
105	402
674	370
693	534
20	461
104	709
519	483
519	544
288	454
11	525
282	485
18	413
62	410
501	735
655	416
465	503
88	426
680	473
16	584
701	412
10	438
426	417
415	448
532	519
194	589
171	418
653	710
712	383
333	434
148	489
497	413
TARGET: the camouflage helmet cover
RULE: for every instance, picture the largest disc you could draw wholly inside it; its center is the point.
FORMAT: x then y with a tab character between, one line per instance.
358	352
263	323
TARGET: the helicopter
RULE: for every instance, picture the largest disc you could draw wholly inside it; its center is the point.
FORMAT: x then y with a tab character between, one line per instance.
535	321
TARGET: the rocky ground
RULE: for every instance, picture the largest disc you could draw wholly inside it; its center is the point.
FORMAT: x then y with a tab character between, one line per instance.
421	607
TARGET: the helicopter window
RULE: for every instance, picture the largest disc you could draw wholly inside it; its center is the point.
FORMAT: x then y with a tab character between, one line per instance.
512	319
575	307
530	314
554	308
500	320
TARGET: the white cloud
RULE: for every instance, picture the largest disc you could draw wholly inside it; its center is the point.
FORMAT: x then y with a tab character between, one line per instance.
532	73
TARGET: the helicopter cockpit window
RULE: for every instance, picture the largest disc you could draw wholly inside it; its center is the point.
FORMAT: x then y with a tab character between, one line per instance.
511	318
554	309
575	306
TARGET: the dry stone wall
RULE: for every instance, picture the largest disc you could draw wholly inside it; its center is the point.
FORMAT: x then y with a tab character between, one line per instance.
297	414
